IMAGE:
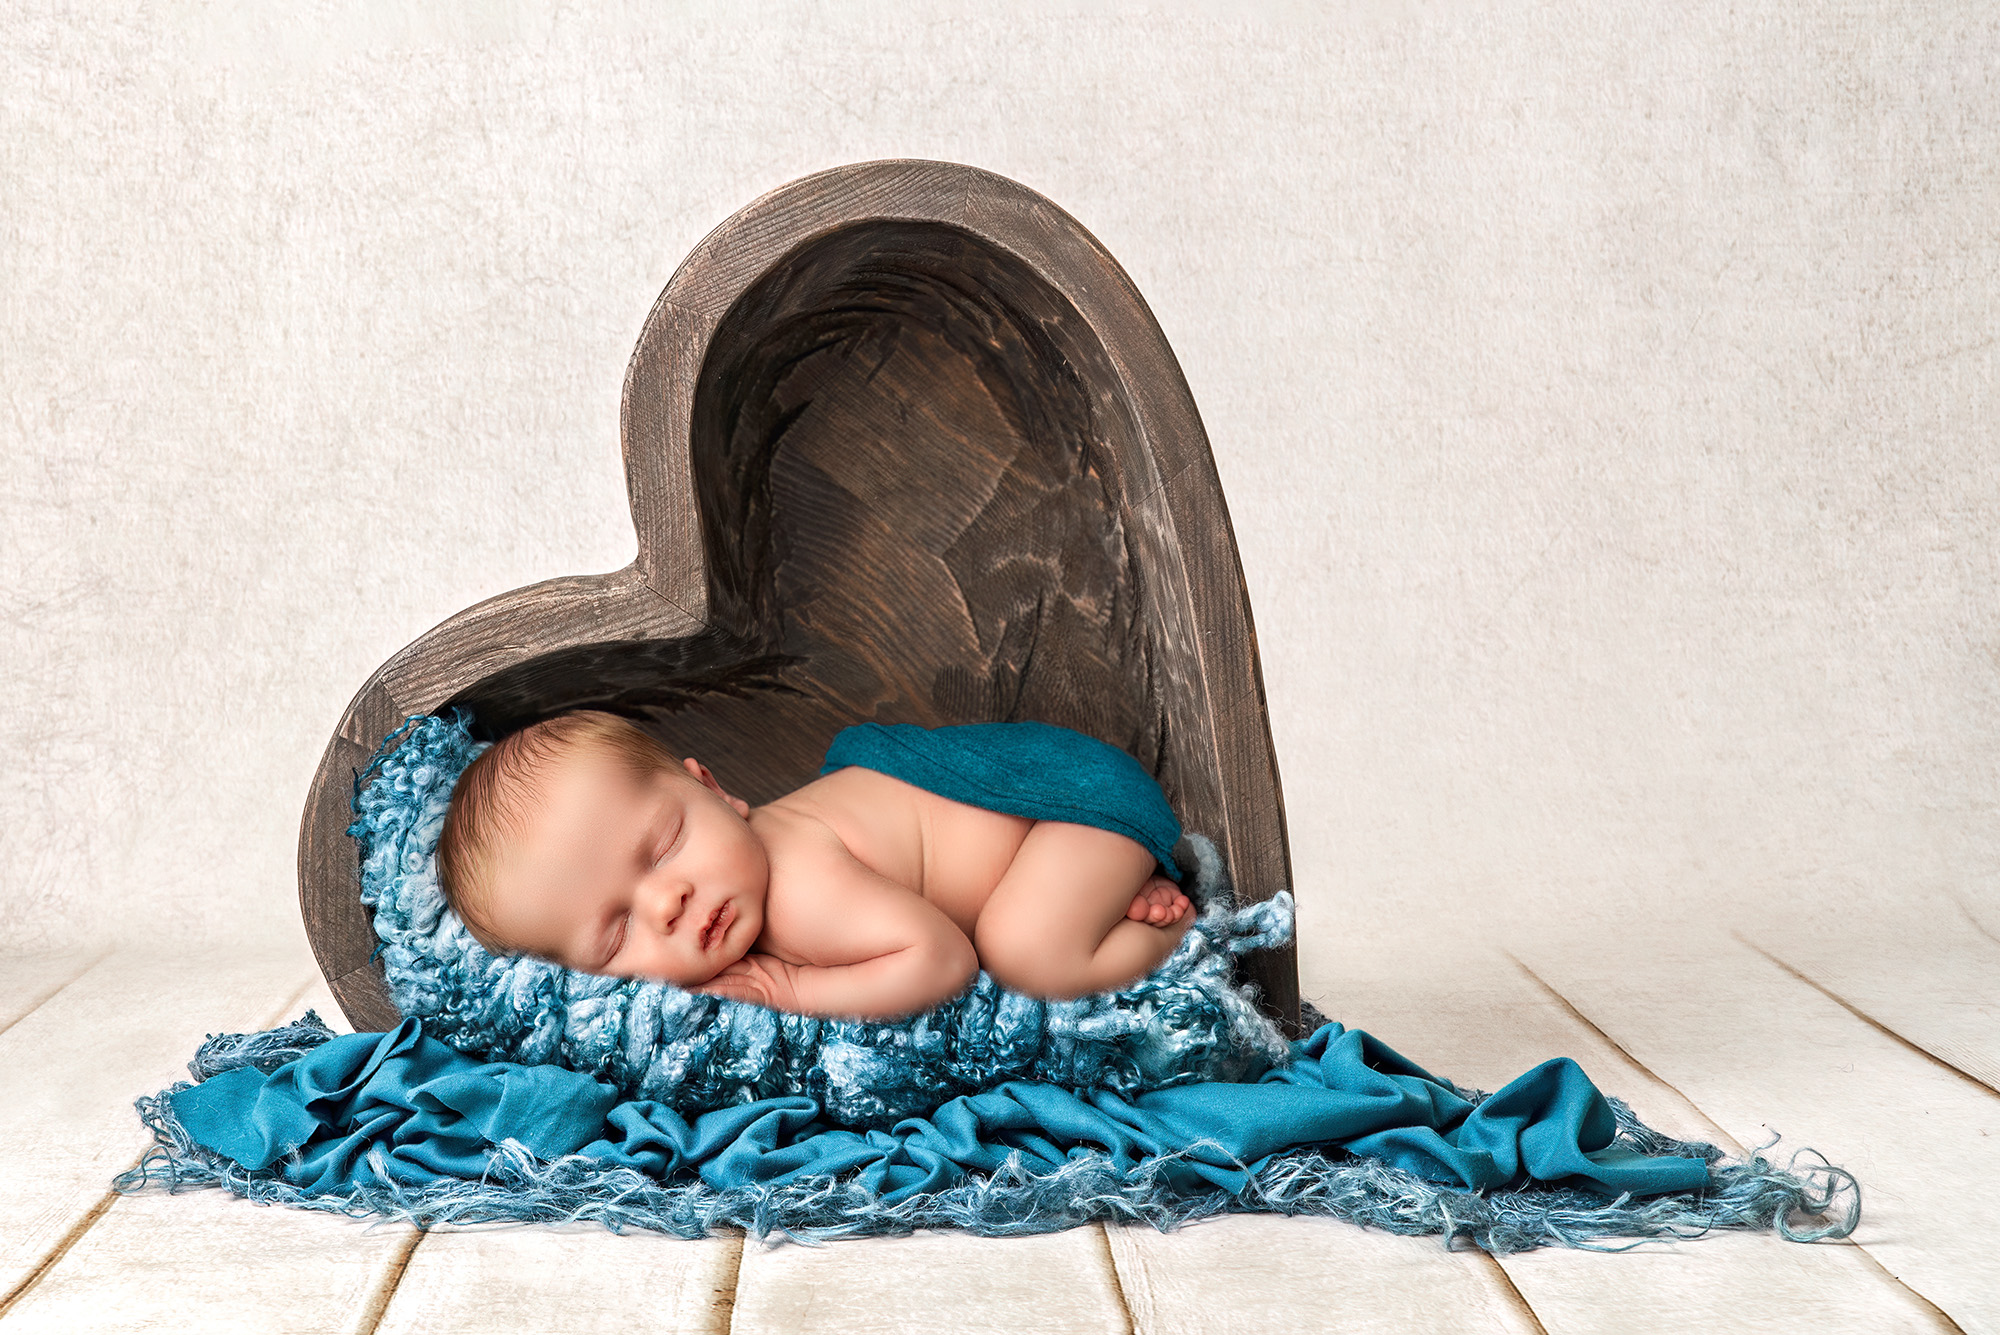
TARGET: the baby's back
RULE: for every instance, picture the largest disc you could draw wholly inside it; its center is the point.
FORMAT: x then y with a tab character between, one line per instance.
950	853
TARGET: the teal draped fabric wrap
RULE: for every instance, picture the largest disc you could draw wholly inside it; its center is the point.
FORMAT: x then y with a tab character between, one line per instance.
403	1108
1036	770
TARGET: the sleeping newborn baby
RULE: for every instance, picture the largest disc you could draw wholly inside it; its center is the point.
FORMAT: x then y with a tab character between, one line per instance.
582	840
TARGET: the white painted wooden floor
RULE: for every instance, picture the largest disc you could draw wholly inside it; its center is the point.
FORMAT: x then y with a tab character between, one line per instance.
1880	1047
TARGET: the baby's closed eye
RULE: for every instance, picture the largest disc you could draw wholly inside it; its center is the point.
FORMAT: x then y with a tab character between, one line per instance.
616	942
672	843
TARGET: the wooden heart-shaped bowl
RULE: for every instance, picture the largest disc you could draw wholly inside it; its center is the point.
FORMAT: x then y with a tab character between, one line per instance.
903	443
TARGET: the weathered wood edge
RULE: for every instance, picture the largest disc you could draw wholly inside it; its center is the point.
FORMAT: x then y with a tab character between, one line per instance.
1215	597
657	404
492	635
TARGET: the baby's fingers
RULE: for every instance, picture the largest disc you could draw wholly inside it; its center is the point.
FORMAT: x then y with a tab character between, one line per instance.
733	988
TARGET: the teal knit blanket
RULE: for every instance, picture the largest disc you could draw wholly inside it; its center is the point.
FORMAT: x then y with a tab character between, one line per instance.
1035	770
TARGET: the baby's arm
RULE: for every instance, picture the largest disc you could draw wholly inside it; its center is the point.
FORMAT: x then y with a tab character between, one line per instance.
871	949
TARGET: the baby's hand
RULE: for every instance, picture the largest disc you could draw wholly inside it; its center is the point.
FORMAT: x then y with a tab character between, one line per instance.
1159	903
763	979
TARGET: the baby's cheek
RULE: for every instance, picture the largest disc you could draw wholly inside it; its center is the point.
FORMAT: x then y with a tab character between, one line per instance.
733	956
703	968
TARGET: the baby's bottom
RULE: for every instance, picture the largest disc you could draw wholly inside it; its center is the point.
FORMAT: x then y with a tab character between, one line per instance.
1076	913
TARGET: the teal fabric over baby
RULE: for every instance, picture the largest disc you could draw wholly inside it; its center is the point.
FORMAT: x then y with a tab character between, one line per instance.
1036	770
1189	1020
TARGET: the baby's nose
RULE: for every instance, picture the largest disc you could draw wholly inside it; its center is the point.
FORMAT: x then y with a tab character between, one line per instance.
660	901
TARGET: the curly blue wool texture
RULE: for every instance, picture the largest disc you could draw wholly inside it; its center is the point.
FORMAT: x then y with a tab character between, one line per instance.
1187	1021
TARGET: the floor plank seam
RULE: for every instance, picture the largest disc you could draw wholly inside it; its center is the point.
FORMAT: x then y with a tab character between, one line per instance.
723	1300
57	1252
97	1211
385	1290
1722	1138
1973	918
1870	1020
1946	1322
55	991
1117	1281
1512	1293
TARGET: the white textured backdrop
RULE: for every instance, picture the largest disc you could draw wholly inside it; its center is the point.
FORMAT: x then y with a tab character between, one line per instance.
1604	394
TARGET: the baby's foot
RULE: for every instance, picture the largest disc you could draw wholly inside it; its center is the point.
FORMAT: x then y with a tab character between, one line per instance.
1159	903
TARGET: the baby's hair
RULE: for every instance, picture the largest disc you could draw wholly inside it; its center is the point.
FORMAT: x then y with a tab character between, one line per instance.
497	793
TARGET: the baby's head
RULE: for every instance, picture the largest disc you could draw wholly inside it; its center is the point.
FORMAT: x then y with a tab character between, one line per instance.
584	841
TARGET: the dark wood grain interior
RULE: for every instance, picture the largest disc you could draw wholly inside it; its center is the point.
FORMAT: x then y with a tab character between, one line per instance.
909	515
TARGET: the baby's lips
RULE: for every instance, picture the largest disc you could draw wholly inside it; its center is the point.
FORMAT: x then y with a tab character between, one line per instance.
718	926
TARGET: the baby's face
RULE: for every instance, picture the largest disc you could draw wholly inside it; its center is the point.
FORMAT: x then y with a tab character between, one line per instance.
639	877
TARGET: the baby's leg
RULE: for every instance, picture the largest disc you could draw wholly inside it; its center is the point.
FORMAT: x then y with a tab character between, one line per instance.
1057	924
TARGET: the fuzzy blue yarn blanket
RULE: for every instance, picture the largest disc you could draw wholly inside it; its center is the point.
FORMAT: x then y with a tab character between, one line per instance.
1186	1021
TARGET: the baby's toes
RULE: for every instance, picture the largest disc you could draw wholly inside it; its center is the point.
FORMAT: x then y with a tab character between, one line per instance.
1140	909
1159	894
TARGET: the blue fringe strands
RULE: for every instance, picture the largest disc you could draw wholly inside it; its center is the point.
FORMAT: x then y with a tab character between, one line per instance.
1806	1200
1162	1038
1187	1021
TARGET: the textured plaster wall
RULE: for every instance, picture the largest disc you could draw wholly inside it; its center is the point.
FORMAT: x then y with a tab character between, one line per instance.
1604	394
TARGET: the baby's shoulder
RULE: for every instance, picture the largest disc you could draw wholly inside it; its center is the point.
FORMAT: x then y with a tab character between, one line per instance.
789	828
853	801
875	819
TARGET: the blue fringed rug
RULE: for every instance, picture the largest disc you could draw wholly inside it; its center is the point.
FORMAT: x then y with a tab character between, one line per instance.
520	1091
401	1126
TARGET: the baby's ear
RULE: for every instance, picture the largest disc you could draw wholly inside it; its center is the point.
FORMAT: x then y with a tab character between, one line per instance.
707	780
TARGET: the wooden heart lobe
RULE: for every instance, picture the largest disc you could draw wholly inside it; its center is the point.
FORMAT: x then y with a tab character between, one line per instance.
903	443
